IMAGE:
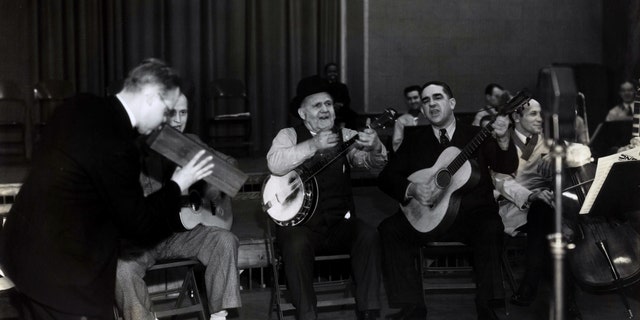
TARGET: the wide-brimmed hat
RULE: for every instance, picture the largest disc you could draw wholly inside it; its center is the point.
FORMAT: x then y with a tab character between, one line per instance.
306	87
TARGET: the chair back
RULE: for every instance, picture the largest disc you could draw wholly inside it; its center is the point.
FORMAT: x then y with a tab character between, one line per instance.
10	90
53	90
49	94
229	117
13	121
12	104
228	88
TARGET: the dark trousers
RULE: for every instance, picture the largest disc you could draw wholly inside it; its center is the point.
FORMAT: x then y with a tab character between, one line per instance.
540	223
300	244
540	220
481	229
30	309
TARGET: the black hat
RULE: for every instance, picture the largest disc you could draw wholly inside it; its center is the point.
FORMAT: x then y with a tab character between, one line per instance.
306	87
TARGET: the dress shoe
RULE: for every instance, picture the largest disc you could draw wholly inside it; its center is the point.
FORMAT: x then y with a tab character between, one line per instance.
412	312
368	315
525	295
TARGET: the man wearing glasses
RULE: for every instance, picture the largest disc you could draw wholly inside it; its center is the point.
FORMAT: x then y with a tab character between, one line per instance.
83	196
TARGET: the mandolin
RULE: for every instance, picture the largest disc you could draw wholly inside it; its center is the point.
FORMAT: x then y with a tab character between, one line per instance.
452	173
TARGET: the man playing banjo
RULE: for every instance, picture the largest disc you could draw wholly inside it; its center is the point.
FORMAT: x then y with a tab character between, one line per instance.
333	226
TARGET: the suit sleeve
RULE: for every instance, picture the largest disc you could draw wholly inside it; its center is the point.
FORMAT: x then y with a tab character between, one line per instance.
392	180
141	219
503	161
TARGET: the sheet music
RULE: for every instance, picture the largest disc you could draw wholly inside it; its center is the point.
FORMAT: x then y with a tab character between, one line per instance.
604	166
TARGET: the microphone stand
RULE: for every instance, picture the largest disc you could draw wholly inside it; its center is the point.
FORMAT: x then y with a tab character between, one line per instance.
556	242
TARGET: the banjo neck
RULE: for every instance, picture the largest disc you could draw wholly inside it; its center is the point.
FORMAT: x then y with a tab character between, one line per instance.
309	170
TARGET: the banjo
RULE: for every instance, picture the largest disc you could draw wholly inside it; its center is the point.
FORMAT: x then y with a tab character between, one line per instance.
292	199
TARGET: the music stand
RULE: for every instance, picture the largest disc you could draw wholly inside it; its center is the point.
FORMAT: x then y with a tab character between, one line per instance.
613	199
609	136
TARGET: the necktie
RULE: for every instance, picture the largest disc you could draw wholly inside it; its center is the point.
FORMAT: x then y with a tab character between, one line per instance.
527	140
444	141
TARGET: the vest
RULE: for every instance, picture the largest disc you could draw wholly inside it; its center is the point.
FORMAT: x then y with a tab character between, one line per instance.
334	185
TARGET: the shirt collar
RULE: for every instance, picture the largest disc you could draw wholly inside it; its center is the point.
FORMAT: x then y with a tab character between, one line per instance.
132	118
451	129
521	136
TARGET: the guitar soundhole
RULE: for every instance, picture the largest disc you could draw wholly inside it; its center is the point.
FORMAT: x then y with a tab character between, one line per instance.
443	179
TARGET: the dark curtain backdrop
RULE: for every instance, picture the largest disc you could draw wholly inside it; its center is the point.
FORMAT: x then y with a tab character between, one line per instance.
269	45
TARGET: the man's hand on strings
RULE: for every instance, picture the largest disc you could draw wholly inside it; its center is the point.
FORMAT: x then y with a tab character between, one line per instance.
427	194
368	139
324	140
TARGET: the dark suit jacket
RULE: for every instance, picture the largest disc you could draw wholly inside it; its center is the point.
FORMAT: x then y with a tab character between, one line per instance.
82	195
421	148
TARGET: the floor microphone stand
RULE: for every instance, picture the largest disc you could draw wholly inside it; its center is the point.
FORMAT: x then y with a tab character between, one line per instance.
556	241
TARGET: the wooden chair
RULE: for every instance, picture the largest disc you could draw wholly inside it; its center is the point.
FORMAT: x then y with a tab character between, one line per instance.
229	117
332	288
447	267
8	193
13	120
452	265
169	299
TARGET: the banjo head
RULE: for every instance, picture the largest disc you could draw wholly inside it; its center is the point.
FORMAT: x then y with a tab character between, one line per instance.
289	201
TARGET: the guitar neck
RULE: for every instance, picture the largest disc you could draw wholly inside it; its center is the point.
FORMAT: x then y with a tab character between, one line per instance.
317	166
309	170
469	149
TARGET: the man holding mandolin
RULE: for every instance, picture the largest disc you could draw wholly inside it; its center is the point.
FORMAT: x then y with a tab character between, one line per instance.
317	150
445	195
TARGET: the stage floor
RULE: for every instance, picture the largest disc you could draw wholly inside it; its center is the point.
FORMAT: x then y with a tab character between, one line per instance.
372	206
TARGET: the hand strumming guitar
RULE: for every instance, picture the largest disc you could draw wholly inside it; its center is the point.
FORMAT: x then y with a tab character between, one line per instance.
324	140
427	194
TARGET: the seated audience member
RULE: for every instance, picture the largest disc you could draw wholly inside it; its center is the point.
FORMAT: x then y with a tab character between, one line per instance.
345	116
493	95
60	242
477	222
527	204
334	226
413	117
213	246
624	110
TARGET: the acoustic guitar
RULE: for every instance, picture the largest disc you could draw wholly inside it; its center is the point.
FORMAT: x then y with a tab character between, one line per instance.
292	199
211	213
452	173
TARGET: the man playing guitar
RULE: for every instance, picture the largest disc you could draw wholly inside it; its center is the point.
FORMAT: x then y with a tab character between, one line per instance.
334	226
477	222
213	245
